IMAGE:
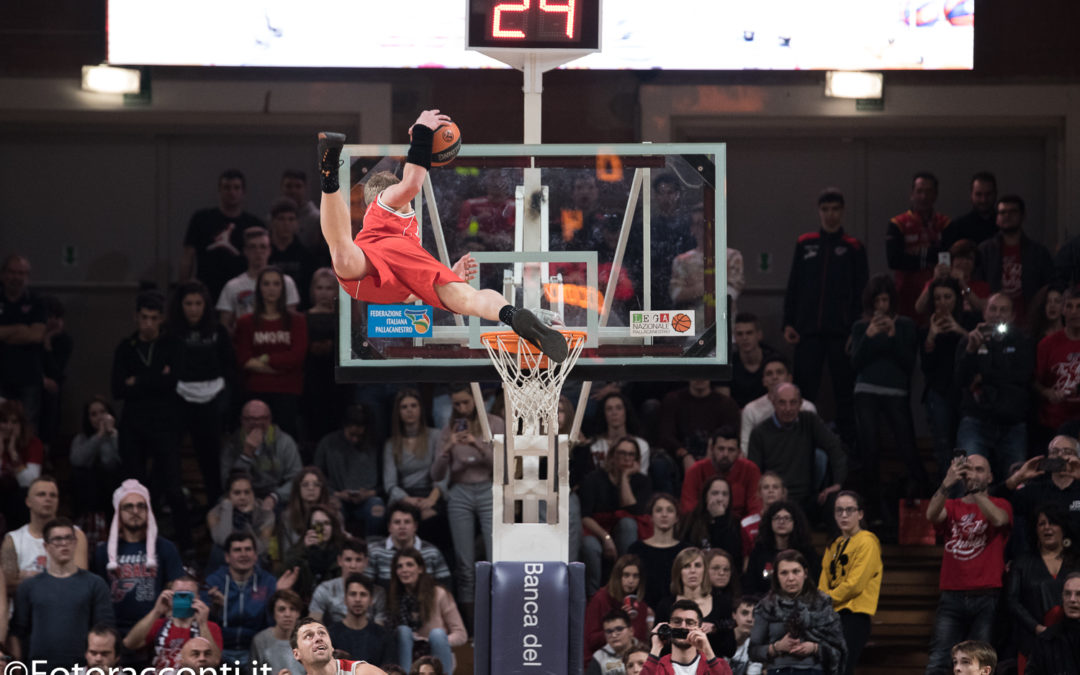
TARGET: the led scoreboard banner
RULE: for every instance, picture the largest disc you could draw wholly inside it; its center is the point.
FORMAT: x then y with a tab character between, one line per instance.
593	34
534	24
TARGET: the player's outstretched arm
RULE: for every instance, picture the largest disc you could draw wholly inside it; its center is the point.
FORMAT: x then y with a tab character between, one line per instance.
418	161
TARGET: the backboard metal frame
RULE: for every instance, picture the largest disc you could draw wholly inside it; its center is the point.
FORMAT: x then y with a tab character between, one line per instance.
705	358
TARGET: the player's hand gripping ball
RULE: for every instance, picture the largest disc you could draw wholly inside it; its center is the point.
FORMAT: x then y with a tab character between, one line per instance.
446	144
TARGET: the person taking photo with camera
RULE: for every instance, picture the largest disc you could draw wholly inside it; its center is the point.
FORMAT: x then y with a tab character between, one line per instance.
1043	479
976	528
177	616
690	650
994	366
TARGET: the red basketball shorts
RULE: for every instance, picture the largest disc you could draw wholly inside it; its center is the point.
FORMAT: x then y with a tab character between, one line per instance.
397	268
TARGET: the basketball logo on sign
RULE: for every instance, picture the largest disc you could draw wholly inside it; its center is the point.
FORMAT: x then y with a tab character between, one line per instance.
681	322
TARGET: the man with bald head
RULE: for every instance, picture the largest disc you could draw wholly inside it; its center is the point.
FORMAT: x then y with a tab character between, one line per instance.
994	366
1037	483
264	451
786	443
198	653
976	528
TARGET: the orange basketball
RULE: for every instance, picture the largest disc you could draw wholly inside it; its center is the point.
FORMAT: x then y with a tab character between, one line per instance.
680	322
446	144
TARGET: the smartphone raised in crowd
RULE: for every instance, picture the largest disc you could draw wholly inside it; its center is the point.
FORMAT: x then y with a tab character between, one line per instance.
181	604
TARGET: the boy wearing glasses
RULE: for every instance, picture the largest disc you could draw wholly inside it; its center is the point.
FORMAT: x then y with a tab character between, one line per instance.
608	660
55	609
691	655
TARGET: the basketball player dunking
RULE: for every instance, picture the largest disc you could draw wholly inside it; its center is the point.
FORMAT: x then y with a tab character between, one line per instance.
386	264
312	649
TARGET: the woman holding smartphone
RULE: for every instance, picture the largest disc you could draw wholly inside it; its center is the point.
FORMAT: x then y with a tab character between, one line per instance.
624	590
317	557
938	345
466	457
883	348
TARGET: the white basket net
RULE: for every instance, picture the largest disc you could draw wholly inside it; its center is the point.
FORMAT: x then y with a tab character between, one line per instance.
532	381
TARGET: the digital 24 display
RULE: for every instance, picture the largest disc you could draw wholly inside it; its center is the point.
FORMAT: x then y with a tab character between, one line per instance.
534	24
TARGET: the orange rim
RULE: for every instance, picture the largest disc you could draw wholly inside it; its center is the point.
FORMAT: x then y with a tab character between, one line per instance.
518	344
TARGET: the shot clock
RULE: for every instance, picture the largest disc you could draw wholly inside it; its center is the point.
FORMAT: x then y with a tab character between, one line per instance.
534	24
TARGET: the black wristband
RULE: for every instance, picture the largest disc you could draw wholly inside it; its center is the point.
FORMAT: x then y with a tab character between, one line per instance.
420	148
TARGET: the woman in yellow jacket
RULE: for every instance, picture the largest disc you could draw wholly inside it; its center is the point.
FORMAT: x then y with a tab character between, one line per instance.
851	574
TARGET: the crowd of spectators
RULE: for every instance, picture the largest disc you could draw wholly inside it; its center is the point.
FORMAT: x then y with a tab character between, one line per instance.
693	506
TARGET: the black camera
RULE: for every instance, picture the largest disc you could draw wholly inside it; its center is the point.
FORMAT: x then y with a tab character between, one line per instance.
666	633
996	331
794	625
1052	464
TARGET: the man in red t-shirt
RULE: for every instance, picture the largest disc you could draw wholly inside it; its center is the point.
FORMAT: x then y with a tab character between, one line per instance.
386	264
170	624
976	529
724	459
1057	368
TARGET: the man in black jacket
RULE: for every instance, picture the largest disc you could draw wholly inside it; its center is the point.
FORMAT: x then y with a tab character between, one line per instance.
143	377
1012	262
824	298
993	370
979	224
1057	649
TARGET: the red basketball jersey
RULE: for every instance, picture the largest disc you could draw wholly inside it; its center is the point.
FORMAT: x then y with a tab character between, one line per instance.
398	266
346	667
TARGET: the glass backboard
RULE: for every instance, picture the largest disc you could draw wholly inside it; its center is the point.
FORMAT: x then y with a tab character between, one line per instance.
625	242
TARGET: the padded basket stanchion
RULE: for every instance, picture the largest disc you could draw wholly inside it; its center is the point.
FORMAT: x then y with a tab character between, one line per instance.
541	618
